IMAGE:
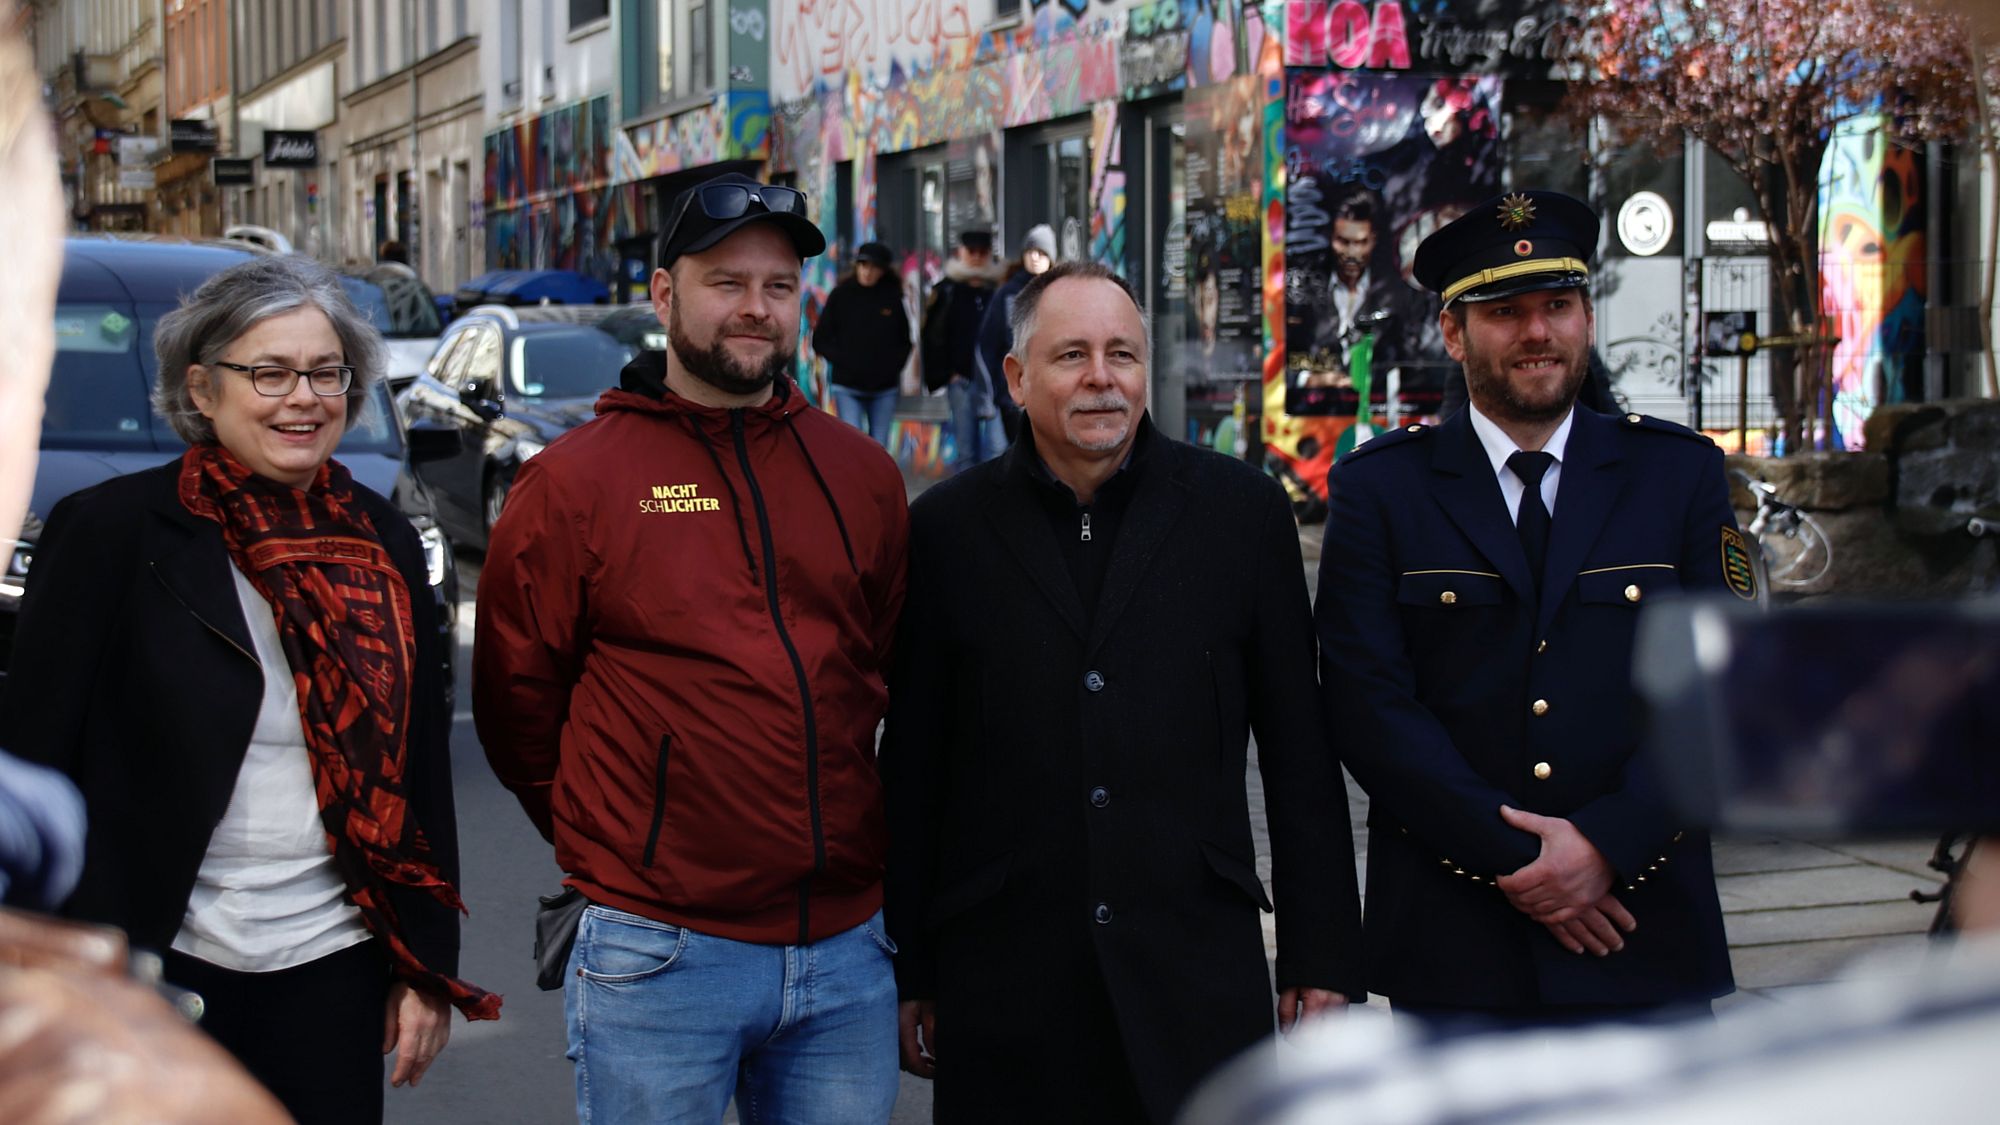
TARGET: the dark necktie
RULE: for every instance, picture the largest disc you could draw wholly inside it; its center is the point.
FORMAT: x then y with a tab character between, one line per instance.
1533	516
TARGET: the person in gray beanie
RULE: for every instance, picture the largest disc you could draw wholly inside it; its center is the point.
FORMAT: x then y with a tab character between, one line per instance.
996	334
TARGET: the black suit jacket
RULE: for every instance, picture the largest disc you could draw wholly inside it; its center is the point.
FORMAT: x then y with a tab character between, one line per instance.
135	674
1436	652
1066	791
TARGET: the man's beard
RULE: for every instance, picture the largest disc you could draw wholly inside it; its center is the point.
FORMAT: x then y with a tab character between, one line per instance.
716	367
1107	400
1349	270
1487	385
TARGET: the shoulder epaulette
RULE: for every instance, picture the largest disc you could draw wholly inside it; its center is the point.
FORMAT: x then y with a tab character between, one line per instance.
1662	426
1387	439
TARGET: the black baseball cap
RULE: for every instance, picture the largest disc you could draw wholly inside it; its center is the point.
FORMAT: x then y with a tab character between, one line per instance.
874	253
1510	244
714	209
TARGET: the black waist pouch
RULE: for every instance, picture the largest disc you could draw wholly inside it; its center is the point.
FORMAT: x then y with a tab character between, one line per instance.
555	933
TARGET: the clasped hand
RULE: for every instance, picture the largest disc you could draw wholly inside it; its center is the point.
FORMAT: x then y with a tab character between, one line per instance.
1568	887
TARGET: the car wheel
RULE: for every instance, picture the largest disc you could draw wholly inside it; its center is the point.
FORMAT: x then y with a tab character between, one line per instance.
497	486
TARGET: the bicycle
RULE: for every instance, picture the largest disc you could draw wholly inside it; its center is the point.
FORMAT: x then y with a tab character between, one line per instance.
1791	545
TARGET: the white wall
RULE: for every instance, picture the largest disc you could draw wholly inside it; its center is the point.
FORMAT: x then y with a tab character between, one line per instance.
558	64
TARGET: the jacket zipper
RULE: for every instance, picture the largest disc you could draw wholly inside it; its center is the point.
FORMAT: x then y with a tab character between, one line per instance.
659	801
770	569
1086	526
226	638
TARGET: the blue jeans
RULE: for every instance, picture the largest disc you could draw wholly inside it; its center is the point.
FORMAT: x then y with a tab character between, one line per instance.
871	412
976	439
666	1023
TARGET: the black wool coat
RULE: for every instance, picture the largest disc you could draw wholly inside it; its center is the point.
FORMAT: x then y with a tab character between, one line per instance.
1066	789
864	335
134	673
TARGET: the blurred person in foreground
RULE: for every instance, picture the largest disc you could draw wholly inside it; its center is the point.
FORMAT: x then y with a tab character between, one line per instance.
1479	587
684	624
1073	884
864	336
951	349
236	658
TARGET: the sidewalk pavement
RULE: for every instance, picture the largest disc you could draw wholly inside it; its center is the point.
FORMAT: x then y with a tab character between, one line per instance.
1797	913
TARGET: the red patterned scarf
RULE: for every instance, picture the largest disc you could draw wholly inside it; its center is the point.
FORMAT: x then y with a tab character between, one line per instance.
343	615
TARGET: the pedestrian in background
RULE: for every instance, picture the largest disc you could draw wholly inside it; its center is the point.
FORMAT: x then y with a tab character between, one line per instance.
950	342
864	336
1479	587
1073	883
236	656
683	625
996	335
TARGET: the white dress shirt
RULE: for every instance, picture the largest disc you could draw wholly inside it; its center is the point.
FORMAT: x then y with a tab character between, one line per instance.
1499	447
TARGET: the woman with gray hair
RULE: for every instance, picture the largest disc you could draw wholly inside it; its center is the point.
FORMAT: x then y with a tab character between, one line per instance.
225	655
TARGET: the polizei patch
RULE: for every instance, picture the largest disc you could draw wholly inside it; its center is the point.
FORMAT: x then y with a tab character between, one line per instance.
1736	568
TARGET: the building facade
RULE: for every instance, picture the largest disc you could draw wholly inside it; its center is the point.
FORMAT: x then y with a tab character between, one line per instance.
412	116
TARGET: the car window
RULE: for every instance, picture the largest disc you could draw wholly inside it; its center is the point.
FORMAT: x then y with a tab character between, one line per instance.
374	429
450	355
482	361
567	363
97	397
412	314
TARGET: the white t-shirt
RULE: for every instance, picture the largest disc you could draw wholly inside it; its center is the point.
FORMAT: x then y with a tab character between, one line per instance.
268	896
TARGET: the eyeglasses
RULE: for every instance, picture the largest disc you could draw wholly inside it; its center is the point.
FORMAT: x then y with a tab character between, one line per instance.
730	201
273	381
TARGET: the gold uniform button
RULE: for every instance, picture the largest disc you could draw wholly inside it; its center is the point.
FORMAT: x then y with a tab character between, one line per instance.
1448	598
1631	593
1543	770
1541	648
1541	707
1415	429
1632	418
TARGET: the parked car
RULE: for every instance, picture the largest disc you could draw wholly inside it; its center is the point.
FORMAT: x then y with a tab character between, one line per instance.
262	237
530	287
402	308
511	381
99	423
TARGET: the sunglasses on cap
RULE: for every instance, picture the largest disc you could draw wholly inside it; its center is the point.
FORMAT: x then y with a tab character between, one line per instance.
732	201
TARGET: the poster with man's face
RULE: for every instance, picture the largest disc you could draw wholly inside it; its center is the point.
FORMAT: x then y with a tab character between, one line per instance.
1225	331
1375	163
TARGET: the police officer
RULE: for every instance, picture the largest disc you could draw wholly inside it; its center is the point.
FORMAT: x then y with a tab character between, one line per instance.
1478	590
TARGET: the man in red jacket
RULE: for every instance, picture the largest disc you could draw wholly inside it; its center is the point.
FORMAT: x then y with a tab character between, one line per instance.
684	623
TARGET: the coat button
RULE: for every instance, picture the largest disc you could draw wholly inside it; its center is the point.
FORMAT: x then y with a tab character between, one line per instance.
1414	428
1100	796
1093	680
1632	418
1102	913
1631	593
1541	647
1540	707
1543	770
1448	598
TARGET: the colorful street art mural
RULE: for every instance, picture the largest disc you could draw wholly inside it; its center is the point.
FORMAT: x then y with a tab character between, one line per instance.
1872	285
550	202
736	125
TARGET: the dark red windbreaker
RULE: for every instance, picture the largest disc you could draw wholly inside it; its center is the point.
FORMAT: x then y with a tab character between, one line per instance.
684	624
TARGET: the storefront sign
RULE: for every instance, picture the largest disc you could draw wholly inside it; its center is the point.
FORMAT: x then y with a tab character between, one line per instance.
193	136
286	148
1521	37
231	172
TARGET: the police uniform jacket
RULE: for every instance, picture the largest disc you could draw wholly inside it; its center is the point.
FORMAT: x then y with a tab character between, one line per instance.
1451	691
1066	785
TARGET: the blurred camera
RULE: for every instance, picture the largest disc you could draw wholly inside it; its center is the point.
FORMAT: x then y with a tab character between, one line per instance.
1821	720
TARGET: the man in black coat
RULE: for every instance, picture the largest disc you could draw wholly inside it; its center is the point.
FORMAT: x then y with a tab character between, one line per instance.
1479	587
1072	880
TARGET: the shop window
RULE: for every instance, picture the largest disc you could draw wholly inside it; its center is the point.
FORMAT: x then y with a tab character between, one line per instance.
587	11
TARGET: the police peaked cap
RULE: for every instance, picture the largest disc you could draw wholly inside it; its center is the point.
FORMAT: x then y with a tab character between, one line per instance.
1510	244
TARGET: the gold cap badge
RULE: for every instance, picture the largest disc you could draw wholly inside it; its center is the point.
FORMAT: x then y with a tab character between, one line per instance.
1516	211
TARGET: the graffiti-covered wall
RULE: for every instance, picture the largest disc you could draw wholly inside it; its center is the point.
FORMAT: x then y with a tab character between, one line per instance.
1872	259
550	202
